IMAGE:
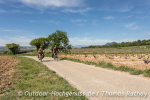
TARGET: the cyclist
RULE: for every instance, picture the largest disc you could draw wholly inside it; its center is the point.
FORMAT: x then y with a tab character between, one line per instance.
55	50
41	51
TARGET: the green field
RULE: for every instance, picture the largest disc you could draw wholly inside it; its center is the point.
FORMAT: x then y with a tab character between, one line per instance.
34	77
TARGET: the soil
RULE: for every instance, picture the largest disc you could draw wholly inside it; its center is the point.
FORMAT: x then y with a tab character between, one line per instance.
132	62
6	71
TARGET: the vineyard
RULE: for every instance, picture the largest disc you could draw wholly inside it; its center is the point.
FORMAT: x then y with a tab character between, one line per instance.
119	50
135	57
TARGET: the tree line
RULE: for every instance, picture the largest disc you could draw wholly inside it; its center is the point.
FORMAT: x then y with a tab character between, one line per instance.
58	38
123	44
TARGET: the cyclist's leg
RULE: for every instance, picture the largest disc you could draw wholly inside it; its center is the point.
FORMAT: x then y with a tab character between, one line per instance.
57	53
40	53
54	53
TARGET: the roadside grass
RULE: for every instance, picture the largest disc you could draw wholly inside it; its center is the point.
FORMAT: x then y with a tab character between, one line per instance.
33	76
109	65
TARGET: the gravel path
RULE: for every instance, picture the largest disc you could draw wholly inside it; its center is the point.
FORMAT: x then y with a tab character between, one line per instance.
106	84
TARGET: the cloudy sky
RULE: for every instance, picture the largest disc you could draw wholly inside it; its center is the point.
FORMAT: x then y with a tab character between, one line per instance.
87	22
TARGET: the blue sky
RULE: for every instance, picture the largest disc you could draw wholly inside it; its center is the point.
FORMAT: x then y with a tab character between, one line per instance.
87	22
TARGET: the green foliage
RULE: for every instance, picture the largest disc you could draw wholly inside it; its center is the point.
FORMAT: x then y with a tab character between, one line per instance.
110	65
40	42
14	48
9	53
147	73
123	44
124	68
60	39
85	55
5	52
136	72
101	63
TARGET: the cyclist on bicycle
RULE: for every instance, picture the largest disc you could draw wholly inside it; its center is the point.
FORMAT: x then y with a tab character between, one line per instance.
55	50
41	51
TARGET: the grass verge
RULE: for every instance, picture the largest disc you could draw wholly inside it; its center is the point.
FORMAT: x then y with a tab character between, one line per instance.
109	65
33	76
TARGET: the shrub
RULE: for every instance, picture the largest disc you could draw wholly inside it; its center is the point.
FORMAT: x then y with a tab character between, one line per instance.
147	73
124	68
110	65
14	48
5	52
136	72
85	55
101	63
9	53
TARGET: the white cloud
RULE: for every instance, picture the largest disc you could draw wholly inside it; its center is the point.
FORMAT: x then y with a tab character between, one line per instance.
52	3
79	22
50	22
110	17
12	30
94	22
125	9
138	12
3	11
19	11
132	26
117	8
87	41
126	16
1	1
81	11
22	40
54	22
142	17
90	41
55	13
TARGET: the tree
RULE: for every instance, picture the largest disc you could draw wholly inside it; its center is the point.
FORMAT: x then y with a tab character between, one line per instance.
122	44
144	42
138	42
14	48
60	39
149	42
40	42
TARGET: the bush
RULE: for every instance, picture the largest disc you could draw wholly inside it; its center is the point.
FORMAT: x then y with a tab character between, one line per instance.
101	63
110	65
5	52
136	72
124	68
147	73
9	53
14	48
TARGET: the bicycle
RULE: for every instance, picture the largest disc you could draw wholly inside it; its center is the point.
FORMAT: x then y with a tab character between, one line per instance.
56	57
40	58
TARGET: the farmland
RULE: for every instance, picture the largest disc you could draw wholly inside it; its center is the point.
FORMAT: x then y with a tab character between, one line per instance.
119	50
133	57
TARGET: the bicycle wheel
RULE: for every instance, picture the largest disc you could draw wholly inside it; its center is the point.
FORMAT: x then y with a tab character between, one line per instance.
56	57
41	58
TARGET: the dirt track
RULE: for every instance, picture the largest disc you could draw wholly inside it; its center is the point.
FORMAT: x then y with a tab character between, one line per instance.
88	78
